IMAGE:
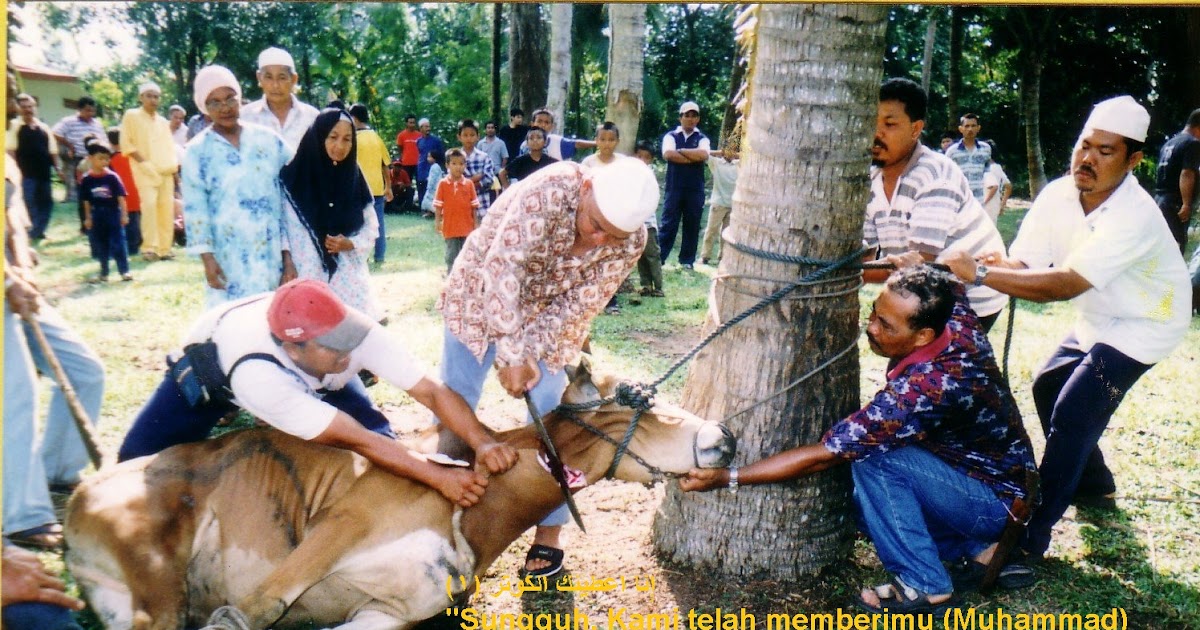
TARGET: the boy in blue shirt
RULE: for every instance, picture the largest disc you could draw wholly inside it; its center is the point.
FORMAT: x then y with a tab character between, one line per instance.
104	211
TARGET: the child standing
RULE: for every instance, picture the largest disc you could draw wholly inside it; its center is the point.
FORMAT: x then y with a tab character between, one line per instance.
437	170
454	206
479	165
607	137
650	264
525	165
133	203
724	166
104	211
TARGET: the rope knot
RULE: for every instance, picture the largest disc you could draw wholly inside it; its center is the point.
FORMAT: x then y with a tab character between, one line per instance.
635	395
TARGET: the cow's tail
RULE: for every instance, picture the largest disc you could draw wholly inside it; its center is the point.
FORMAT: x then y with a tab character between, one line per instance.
465	556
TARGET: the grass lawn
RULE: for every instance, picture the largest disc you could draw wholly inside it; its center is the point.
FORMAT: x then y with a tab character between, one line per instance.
1143	557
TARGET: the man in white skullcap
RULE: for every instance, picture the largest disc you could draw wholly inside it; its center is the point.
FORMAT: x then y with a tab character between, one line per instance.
146	140
549	254
279	109
1094	237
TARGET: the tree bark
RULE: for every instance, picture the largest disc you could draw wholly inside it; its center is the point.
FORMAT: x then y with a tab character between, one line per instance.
737	79
927	60
497	34
560	60
623	96
802	187
1031	113
527	65
955	72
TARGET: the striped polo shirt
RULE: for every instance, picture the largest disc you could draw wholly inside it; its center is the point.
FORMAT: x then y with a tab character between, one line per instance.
932	211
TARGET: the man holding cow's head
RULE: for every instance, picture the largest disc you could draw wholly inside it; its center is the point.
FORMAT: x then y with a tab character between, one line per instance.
548	256
939	456
292	359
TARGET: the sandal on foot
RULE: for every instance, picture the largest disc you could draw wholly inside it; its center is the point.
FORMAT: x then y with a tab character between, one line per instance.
898	598
541	552
967	574
48	536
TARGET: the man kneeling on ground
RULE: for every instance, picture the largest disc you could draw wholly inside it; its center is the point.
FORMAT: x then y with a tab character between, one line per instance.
939	454
292	359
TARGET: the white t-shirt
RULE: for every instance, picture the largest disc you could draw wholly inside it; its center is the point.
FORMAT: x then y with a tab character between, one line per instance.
286	397
724	181
299	118
1140	302
994	177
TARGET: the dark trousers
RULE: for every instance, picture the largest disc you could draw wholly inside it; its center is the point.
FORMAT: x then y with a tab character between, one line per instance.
167	420
108	239
40	204
650	264
411	199
1170	210
133	233
1076	394
38	616
684	207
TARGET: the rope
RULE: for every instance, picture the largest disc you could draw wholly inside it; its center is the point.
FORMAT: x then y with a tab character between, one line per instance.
1008	333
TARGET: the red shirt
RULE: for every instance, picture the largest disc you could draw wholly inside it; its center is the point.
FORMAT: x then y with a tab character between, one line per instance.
120	166
457	201
407	141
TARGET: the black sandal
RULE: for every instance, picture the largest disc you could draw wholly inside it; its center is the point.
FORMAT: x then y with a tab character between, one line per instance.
898	598
542	552
48	536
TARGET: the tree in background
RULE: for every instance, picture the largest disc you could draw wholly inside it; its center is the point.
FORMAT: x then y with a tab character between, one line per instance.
814	78
560	59
527	64
627	27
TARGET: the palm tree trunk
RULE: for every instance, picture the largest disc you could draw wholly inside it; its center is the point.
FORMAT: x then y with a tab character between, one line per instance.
527	64
560	60
955	80
802	187
627	26
497	33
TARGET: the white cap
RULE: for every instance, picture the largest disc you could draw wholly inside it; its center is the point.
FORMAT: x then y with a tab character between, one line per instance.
689	106
626	192
208	80
276	57
1120	115
423	121
149	86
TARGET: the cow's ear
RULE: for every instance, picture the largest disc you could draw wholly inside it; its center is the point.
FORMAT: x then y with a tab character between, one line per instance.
581	388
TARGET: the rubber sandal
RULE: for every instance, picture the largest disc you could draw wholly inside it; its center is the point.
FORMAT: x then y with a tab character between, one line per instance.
898	598
542	552
64	488
48	536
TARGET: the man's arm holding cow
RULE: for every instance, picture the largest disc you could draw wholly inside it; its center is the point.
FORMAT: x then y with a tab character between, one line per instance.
461	486
792	464
458	417
1013	278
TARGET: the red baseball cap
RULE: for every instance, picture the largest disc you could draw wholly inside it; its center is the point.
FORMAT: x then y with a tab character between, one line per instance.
308	310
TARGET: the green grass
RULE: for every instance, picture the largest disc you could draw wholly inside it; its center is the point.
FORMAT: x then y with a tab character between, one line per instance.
1142	558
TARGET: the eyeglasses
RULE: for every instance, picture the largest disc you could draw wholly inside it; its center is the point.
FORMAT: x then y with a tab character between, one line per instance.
228	103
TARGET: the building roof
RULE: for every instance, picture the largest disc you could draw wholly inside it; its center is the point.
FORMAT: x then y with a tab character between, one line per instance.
44	74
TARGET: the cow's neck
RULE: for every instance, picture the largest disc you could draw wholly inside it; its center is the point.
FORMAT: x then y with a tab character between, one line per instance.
523	496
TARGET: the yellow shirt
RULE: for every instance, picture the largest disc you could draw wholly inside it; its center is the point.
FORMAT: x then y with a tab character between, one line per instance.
150	136
372	153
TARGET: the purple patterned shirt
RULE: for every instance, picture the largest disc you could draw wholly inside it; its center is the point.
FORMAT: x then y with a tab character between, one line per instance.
950	399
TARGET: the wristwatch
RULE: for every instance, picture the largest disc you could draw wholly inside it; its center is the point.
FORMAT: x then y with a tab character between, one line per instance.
981	272
733	480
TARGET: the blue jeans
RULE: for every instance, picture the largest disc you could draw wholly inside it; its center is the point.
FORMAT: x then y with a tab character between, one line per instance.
381	240
918	510
167	420
108	239
1076	394
39	202
465	374
60	455
38	616
684	207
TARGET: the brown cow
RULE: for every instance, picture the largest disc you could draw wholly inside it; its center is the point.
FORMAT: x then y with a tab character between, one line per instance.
297	534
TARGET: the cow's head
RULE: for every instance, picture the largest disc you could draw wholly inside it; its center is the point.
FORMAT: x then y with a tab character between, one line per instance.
667	439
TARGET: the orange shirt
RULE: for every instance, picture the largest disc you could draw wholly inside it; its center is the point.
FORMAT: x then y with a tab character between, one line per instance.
457	201
407	141
120	166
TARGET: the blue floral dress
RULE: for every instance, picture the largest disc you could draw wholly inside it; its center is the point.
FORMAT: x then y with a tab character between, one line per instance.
233	208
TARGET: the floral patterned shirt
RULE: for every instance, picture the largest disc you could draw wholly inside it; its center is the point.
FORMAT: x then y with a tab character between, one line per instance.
950	399
233	208
516	283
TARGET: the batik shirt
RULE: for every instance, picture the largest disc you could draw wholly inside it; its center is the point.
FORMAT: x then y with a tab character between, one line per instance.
516	283
233	208
949	398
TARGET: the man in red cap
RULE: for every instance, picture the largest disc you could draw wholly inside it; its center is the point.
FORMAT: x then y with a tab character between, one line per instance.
292	359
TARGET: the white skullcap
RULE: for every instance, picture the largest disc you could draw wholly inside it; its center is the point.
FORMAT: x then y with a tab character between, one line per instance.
276	57
423	121
149	86
1120	115
626	192
208	80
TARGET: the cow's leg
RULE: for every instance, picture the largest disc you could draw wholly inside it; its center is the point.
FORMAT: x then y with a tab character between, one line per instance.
374	620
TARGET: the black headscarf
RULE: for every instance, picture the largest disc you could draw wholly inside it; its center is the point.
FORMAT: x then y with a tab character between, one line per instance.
328	198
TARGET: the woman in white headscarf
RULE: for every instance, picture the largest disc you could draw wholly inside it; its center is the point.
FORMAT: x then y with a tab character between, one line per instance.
232	198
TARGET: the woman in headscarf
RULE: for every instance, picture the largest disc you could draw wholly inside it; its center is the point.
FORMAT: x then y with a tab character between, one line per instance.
330	214
232	200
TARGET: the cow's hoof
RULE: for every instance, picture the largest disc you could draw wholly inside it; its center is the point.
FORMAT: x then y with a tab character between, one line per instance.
228	618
